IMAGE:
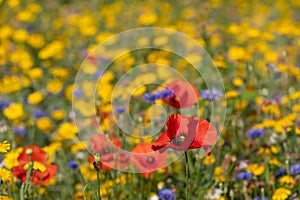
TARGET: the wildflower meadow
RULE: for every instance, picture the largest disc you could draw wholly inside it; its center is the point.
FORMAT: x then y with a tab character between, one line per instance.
149	100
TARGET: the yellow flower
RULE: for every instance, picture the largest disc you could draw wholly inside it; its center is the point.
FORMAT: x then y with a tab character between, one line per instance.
35	73
256	169
10	84
36	166
80	146
11	158
14	111
52	50
54	86
237	82
67	131
59	72
25	16
5	31
218	176
287	180
232	94
44	124
20	35
238	53
297	131
209	160
36	41
147	19
35	98
6	175
4	197
88	171
281	194
275	161
13	3
51	149
58	114
4	146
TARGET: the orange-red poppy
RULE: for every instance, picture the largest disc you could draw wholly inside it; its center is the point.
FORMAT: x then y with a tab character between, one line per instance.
185	133
110	151
185	94
146	160
44	172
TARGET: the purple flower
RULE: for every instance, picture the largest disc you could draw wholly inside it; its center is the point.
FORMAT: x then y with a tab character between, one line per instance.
78	93
98	74
258	198
164	93
19	130
4	104
280	172
166	194
256	132
120	109
244	175
149	97
39	113
211	95
295	169
73	164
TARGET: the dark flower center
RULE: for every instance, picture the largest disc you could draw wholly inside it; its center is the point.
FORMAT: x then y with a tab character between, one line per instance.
150	159
178	140
106	150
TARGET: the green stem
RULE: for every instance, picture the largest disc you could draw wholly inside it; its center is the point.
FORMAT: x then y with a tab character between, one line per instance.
98	185
187	174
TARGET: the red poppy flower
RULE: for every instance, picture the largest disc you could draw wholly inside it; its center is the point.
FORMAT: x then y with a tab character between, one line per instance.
111	156
185	94
146	160
41	173
185	133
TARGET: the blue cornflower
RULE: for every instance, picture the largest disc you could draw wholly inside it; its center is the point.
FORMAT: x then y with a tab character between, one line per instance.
73	164
4	104
98	74
244	175
78	93
164	93
258	198
39	113
295	169
149	97
280	172
166	194
120	109
256	132
19	130
211	95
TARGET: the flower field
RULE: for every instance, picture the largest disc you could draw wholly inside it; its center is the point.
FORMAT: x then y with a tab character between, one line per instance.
149	100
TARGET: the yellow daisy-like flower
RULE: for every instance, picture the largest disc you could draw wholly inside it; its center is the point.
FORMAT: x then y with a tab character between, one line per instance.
6	175
54	86
4	146
232	94
14	111
281	194
44	124
4	197
35	98
237	82
209	160
256	169
67	131
58	114
36	166
11	158
287	180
